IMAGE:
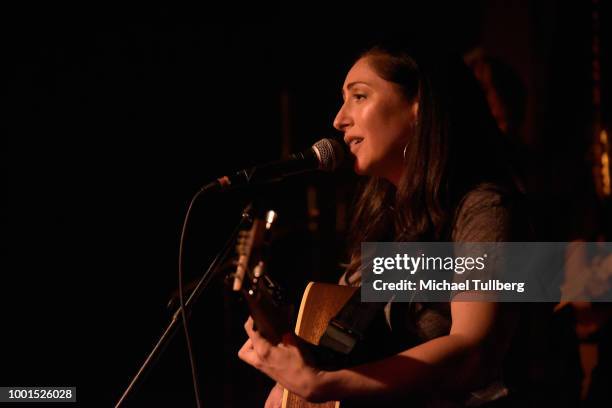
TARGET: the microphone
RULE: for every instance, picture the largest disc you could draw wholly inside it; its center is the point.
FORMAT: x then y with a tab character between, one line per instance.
325	155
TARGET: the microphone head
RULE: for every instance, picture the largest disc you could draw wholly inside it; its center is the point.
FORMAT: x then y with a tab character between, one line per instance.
330	154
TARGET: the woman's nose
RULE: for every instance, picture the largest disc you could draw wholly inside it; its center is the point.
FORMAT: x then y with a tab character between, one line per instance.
342	120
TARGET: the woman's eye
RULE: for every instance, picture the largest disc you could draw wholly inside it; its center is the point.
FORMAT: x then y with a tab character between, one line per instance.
358	97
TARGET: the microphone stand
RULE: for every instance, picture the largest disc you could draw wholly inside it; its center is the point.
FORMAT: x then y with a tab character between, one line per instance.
202	284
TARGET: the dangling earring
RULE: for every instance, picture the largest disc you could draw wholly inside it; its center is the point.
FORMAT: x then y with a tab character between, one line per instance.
416	124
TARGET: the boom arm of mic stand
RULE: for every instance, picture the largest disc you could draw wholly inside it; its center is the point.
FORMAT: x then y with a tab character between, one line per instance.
202	283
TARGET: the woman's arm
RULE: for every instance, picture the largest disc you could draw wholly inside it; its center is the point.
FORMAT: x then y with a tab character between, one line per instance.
461	361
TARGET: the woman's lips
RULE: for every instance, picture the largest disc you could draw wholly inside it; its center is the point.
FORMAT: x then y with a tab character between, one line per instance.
354	144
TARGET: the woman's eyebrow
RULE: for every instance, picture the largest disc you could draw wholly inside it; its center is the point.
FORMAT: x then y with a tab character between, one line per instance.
350	85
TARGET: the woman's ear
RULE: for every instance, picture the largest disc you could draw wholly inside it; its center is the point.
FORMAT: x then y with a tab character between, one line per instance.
415	112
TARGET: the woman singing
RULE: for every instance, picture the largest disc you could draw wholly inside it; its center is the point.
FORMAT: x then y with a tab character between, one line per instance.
420	130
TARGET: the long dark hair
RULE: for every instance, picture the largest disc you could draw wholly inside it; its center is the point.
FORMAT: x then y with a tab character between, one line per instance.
457	147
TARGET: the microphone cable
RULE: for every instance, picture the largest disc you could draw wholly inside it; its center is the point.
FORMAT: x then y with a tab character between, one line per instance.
194	375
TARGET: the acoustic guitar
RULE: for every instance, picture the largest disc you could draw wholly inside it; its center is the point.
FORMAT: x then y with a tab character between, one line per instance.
266	303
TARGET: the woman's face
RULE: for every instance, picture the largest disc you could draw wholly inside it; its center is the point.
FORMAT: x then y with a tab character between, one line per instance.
377	119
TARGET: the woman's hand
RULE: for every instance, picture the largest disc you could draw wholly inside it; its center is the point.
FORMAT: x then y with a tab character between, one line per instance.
275	398
284	363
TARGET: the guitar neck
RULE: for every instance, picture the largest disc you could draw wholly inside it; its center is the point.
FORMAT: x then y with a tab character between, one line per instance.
271	315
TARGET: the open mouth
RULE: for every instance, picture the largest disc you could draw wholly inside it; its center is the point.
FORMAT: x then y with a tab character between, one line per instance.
355	141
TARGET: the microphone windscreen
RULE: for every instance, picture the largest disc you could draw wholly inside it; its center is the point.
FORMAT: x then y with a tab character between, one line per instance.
330	154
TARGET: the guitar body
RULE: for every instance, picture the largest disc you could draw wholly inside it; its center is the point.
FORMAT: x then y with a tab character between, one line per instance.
320	303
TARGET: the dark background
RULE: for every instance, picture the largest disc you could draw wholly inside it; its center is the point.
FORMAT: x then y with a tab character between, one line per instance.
117	116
